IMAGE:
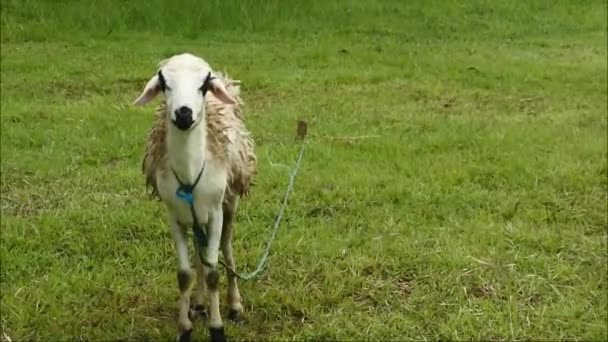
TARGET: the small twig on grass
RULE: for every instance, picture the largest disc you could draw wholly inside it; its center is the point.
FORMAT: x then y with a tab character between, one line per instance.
481	261
276	164
5	337
349	139
528	99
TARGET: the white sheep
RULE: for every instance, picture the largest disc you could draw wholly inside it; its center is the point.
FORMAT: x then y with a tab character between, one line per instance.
199	139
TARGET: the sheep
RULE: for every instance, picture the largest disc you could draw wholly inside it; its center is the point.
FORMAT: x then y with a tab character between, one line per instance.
199	139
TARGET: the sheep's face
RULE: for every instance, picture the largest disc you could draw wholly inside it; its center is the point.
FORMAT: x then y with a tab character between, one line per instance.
184	80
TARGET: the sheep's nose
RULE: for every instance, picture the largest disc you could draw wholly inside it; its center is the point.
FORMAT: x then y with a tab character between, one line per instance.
183	118
183	112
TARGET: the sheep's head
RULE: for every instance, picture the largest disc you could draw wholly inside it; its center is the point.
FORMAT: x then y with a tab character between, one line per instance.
184	80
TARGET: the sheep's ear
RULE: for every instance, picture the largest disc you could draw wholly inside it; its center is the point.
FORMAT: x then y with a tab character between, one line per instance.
150	91
219	91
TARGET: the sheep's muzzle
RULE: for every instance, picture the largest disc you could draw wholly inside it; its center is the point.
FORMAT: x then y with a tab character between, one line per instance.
183	118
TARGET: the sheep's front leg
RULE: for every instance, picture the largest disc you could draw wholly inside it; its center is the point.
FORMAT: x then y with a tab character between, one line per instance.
184	280
234	297
199	309
212	276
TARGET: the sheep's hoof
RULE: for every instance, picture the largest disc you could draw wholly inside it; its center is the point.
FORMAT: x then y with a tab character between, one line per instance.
217	334
236	316
185	336
197	311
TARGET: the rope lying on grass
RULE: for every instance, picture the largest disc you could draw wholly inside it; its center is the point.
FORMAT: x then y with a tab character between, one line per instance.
302	128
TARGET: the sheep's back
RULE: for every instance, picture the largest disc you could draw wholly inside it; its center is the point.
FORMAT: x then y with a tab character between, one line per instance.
230	140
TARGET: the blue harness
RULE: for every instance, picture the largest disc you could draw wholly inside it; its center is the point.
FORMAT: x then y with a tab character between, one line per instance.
184	192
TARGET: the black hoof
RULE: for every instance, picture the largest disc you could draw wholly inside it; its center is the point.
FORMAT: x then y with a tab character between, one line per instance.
217	334
185	336
236	316
197	311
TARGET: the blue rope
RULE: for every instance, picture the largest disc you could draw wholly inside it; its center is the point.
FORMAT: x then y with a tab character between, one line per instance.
184	192
292	178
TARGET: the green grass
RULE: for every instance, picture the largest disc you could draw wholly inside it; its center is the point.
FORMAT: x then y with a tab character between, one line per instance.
454	185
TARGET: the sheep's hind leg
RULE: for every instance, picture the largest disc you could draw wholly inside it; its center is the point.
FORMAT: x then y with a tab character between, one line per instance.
234	297
184	281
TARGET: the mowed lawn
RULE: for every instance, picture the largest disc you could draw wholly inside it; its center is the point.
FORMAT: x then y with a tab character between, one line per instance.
454	185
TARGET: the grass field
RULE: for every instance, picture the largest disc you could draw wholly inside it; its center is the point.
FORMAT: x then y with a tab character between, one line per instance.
454	185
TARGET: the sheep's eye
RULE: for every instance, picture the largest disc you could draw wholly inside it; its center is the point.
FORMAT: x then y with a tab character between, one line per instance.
206	84
162	83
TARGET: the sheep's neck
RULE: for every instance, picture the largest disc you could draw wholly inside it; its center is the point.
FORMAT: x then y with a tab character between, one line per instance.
187	151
